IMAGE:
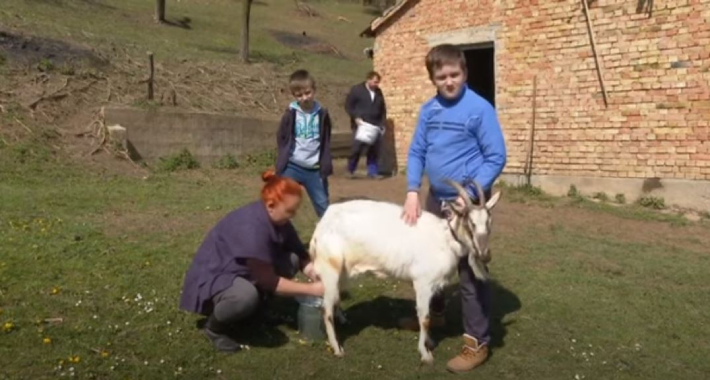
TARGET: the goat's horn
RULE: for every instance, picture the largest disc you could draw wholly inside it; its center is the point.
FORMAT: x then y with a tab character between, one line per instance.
481	194
462	193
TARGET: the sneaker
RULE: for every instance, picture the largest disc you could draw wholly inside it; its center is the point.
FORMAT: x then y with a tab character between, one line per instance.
222	342
471	356
436	320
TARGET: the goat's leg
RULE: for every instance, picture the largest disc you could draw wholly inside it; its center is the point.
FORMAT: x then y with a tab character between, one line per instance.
424	293
330	300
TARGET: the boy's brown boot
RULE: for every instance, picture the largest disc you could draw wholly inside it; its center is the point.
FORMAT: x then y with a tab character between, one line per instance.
471	356
412	323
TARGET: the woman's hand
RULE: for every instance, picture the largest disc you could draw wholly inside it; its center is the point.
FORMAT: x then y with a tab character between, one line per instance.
317	289
310	272
412	208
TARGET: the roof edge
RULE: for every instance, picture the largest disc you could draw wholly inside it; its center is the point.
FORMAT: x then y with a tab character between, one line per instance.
371	30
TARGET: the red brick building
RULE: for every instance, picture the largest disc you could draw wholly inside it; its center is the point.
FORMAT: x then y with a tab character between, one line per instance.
651	135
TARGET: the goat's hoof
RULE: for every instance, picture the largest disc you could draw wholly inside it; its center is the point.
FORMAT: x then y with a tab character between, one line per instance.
428	359
340	352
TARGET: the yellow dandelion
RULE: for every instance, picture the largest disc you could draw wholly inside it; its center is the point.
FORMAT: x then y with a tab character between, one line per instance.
104	354
47	340
8	326
55	290
74	359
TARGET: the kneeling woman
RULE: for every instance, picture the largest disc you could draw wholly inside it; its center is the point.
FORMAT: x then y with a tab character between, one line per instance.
254	250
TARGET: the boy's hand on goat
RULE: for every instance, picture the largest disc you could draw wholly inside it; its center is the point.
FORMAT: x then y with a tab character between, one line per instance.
412	209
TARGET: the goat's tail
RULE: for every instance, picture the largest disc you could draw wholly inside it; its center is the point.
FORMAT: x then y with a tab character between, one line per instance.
312	247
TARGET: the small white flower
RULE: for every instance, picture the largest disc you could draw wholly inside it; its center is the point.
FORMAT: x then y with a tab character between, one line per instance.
219	371
71	369
574	340
145	362
576	377
112	368
128	323
169	323
95	316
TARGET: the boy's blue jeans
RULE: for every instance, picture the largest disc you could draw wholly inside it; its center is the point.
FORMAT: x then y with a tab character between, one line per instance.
316	186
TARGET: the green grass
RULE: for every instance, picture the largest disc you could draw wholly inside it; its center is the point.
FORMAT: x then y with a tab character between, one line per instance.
214	30
82	247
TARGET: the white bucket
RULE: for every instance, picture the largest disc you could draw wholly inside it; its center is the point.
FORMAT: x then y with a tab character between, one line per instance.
367	133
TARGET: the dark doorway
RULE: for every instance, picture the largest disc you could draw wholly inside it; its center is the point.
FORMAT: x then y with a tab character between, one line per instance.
480	61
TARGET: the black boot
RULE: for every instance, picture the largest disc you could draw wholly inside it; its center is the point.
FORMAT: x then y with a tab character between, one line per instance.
217	333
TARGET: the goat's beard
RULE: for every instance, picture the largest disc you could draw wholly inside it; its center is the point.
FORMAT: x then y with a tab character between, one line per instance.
477	265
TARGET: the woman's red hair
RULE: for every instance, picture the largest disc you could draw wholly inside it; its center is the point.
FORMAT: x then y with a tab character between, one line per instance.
275	187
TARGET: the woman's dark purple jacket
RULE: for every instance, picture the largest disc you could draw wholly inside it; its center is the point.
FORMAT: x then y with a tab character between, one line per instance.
246	232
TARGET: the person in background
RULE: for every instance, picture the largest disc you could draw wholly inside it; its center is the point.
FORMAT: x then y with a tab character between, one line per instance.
457	137
303	141
365	102
252	253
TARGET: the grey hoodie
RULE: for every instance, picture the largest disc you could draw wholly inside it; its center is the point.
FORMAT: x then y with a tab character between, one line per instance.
306	150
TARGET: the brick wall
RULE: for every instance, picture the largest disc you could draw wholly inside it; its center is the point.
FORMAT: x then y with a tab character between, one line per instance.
656	71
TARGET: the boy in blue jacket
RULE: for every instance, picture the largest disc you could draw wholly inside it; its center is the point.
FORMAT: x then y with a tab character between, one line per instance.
457	137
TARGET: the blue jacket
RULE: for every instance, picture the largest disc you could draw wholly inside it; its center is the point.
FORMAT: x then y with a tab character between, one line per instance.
459	139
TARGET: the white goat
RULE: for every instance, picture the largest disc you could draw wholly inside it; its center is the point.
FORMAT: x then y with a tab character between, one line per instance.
358	236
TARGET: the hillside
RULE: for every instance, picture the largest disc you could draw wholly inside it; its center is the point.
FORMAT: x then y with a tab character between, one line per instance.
61	60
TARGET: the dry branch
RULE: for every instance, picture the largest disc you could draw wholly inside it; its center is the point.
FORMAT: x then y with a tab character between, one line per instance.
53	95
23	125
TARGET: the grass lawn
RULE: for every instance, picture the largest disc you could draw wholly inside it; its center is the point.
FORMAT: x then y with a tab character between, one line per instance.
91	267
213	33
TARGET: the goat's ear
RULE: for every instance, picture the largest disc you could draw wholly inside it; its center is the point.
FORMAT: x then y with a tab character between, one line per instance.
493	201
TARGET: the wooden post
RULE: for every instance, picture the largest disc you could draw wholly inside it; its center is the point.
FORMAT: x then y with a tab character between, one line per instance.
160	10
594	51
244	49
150	78
529	163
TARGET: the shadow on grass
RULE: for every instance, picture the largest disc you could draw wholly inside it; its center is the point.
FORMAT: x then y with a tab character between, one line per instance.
183	23
262	328
384	312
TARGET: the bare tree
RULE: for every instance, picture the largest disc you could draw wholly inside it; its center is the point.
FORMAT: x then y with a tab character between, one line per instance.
244	50
160	10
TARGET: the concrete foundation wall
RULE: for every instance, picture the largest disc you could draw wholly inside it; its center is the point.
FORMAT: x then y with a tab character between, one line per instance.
152	134
675	192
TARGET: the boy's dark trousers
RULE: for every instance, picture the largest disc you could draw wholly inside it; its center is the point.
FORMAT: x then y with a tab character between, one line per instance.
475	294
